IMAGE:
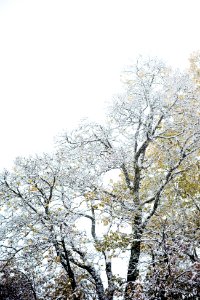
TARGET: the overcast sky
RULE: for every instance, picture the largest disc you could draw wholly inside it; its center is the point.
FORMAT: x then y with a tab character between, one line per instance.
60	60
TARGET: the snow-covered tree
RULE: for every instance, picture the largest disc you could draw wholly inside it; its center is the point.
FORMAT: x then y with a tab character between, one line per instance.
91	207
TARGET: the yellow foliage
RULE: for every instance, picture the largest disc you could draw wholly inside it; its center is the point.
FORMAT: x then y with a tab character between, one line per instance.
57	259
33	188
195	67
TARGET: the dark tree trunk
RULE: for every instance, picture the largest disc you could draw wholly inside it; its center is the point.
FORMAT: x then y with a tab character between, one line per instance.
111	288
133	262
133	271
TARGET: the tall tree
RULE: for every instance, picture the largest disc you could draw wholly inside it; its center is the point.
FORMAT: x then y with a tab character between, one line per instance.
96	199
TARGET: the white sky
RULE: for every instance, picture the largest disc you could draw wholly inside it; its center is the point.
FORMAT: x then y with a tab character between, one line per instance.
60	60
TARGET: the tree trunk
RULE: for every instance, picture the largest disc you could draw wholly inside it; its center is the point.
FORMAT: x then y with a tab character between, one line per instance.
111	287
133	271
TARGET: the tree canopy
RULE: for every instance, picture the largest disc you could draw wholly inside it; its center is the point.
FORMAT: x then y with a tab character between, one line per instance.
114	211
